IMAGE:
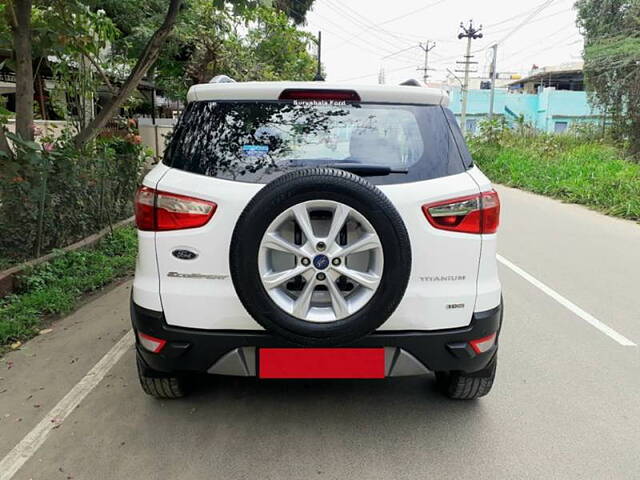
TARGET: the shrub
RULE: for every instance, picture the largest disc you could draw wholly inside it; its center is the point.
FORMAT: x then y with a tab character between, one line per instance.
579	167
54	287
55	194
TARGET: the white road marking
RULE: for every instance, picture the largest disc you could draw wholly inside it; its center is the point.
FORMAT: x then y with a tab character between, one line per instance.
24	450
587	317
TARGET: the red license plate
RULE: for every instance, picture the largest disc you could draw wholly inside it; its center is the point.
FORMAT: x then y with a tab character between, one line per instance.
321	363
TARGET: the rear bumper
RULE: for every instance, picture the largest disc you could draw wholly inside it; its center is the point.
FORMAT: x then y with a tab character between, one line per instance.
192	350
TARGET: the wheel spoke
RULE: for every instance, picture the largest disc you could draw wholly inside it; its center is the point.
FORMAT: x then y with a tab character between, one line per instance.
272	280
301	215
368	241
367	280
338	302
303	302
276	242
340	215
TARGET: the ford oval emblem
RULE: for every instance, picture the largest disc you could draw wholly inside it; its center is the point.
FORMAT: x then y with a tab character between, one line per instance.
183	254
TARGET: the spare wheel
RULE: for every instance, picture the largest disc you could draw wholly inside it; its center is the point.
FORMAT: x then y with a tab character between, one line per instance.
320	256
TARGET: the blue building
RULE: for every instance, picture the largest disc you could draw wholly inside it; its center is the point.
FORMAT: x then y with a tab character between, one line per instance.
552	100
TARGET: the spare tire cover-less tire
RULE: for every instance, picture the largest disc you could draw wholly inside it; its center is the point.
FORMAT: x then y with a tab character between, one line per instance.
320	257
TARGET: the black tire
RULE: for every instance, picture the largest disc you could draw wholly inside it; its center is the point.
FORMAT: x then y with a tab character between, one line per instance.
327	184
160	385
468	386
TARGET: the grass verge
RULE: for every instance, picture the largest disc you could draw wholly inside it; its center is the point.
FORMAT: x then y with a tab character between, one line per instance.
573	170
54	288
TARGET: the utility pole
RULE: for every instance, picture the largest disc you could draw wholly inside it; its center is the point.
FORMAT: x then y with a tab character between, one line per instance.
470	33
427	47
319	77
494	75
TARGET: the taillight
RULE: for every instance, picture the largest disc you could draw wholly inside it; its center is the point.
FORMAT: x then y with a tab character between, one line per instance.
473	214
319	94
156	210
152	344
484	344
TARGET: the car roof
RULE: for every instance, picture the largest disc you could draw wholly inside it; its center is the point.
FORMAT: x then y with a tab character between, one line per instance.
272	90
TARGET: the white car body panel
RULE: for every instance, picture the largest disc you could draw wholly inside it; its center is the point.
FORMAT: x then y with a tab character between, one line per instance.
272	90
444	266
453	274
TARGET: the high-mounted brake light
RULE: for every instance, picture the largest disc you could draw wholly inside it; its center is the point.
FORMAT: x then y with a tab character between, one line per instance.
319	94
473	214
157	211
153	344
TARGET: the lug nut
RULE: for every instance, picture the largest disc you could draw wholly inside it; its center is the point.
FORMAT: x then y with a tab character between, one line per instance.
321	276
336	261
320	246
305	261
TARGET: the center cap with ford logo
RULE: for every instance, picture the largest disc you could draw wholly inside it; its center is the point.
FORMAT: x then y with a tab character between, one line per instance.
321	262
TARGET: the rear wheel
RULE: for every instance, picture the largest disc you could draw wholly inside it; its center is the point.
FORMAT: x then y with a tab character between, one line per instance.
158	384
467	386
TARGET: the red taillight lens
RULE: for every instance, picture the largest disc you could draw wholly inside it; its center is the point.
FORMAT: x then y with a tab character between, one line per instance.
313	94
473	214
145	208
152	344
158	211
484	344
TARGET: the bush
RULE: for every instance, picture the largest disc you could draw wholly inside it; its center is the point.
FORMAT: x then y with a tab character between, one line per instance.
54	287
53	195
579	167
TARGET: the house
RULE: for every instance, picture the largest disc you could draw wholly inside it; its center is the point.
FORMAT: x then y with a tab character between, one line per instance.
552	99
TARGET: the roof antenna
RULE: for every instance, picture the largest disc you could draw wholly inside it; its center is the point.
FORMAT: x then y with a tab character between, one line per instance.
222	79
319	77
412	82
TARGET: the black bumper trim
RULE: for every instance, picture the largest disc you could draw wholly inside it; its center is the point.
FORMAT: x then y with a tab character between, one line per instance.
194	350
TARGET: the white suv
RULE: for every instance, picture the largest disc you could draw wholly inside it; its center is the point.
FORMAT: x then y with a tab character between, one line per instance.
314	230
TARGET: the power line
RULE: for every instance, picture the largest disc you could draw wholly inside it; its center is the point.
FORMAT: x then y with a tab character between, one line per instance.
362	43
399	51
536	20
404	15
510	19
413	65
377	25
526	20
359	21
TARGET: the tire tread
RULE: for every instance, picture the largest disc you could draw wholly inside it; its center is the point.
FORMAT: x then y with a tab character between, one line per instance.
163	387
460	386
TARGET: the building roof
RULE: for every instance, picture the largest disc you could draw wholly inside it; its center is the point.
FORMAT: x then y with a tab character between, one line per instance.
553	71
272	90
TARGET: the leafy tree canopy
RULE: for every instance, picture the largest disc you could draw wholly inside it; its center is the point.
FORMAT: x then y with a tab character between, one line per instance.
611	29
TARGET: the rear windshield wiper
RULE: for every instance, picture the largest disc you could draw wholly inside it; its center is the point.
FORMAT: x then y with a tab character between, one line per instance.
367	170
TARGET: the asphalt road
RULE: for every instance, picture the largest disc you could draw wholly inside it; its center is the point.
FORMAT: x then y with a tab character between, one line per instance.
566	403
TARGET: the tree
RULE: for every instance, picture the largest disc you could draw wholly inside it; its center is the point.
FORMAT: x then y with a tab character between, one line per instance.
611	30
146	60
18	13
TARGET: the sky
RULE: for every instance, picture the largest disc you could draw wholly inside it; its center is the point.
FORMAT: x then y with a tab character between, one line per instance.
359	37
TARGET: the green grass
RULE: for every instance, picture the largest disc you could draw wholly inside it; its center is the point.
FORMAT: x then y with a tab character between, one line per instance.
574	170
55	287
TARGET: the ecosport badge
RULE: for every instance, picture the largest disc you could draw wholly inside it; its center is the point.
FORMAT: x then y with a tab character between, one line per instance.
203	276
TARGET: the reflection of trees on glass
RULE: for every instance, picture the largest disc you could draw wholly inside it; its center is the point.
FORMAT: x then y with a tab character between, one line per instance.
233	139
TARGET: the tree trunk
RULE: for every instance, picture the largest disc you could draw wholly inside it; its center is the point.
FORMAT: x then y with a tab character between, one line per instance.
146	60
24	68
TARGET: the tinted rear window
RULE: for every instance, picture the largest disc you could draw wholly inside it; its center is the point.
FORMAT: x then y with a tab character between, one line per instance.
257	141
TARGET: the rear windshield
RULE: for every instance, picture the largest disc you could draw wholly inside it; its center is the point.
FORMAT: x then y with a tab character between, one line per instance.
257	141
